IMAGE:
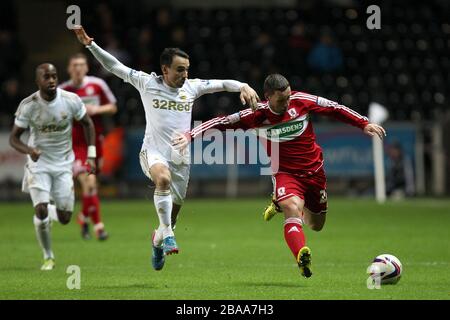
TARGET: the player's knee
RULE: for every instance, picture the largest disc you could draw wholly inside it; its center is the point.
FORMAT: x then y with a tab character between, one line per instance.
91	181
289	206
88	183
41	211
316	227
91	189
64	217
163	181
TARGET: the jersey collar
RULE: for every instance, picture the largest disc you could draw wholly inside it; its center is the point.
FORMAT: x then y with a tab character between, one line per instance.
58	91
169	87
83	83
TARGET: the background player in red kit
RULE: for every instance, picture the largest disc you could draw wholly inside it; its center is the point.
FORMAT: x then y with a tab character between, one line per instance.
99	100
299	181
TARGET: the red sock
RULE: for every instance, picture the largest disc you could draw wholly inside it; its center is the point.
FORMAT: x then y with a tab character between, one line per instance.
95	209
294	236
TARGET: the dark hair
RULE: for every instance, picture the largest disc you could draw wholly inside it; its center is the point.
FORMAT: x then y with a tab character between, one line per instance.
275	82
78	55
167	55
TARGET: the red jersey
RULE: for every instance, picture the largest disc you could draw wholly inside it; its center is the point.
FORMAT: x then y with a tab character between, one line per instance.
292	131
93	91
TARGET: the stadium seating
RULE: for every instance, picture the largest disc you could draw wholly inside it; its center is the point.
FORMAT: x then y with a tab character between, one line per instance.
404	65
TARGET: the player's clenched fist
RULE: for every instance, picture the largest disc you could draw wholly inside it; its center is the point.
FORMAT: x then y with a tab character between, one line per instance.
82	35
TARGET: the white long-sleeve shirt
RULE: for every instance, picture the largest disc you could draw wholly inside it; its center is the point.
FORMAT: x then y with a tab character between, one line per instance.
167	110
50	124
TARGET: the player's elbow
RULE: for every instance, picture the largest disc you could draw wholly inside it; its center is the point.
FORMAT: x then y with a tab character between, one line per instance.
113	109
86	121
11	143
13	139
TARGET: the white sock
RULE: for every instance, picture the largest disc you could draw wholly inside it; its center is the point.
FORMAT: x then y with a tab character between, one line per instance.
42	228
52	214
163	205
99	226
157	240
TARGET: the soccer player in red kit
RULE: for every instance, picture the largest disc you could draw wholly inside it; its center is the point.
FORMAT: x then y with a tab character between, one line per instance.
99	101
297	168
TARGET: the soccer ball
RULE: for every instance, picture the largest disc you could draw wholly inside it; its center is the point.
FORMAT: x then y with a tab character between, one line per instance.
387	268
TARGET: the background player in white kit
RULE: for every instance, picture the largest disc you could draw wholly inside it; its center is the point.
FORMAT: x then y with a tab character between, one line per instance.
168	101
49	113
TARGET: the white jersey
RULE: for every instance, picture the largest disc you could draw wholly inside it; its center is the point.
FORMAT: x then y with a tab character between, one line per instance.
168	110
50	124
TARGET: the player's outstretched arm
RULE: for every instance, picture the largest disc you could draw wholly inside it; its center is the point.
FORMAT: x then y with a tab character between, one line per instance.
244	119
108	61
342	113
89	133
182	140
248	96
16	143
108	109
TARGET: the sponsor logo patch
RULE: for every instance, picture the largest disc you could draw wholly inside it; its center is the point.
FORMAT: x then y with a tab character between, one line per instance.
293	113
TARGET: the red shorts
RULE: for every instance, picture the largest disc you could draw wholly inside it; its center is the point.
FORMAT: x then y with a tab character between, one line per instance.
80	151
311	188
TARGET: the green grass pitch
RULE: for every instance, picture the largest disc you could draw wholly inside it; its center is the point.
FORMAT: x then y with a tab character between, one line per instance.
229	252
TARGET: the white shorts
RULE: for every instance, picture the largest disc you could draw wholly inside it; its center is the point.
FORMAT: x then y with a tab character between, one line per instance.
179	173
43	186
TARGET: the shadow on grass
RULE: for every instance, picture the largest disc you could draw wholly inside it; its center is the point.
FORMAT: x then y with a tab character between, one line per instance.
128	286
19	268
270	284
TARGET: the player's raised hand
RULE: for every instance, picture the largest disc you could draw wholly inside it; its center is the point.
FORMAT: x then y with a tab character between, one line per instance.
181	141
249	97
82	35
35	154
374	129
92	165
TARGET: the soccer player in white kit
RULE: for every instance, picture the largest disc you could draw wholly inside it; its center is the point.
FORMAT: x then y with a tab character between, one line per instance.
49	113
168	101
